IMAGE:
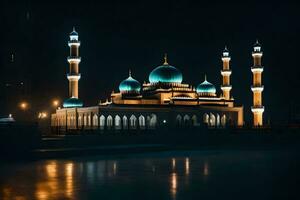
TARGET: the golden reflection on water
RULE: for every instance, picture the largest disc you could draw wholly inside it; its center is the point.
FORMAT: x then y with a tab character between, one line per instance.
6	193
115	168
173	163
187	166
69	179
206	169
173	185
45	188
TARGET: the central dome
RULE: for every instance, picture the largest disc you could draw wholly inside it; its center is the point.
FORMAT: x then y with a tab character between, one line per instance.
165	74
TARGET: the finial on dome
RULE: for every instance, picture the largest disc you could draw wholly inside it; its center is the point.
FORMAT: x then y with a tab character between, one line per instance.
166	59
205	79
225	49
74	29
129	72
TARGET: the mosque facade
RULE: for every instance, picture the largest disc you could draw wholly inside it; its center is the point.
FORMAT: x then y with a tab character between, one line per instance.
162	101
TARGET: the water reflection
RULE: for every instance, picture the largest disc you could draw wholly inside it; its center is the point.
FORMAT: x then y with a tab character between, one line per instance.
187	166
173	177
69	179
115	168
206	169
50	185
173	185
173	163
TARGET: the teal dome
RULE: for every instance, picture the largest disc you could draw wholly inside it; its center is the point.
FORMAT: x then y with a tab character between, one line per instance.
206	88
72	103
130	85
165	74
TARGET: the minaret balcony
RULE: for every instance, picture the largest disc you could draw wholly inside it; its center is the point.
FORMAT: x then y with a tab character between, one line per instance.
256	88
74	43
226	72
257	53
257	69
257	109
76	59
73	77
226	58
226	87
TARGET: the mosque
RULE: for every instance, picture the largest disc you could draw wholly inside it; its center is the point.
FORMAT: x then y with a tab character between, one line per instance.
163	101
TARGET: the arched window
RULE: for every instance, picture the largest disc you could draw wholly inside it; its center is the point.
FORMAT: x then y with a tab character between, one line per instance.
125	122
95	120
148	121
89	120
153	121
142	122
186	120
212	119
178	120
102	122
132	121
79	121
109	122
85	120
195	121
206	119
218	120
223	120
118	122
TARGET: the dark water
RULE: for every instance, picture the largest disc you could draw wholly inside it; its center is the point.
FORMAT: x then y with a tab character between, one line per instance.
169	175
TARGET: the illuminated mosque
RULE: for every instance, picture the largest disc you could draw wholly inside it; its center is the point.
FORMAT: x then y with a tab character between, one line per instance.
163	101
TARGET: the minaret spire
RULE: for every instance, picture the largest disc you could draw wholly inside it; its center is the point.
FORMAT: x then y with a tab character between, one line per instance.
74	61
226	72
166	59
205	78
257	87
129	72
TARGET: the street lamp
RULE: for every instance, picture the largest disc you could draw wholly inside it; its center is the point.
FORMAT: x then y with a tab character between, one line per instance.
23	105
55	103
42	115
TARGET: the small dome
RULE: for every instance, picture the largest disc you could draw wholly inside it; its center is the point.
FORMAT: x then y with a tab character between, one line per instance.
72	103
165	74
130	85
74	33
206	89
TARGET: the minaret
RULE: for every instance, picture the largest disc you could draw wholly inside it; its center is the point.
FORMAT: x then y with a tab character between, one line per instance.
257	87
74	61
226	72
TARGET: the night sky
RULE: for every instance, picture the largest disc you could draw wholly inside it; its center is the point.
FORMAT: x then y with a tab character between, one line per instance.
118	36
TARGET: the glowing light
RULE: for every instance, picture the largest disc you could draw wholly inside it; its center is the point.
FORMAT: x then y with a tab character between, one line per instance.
42	115
24	105
164	121
55	103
